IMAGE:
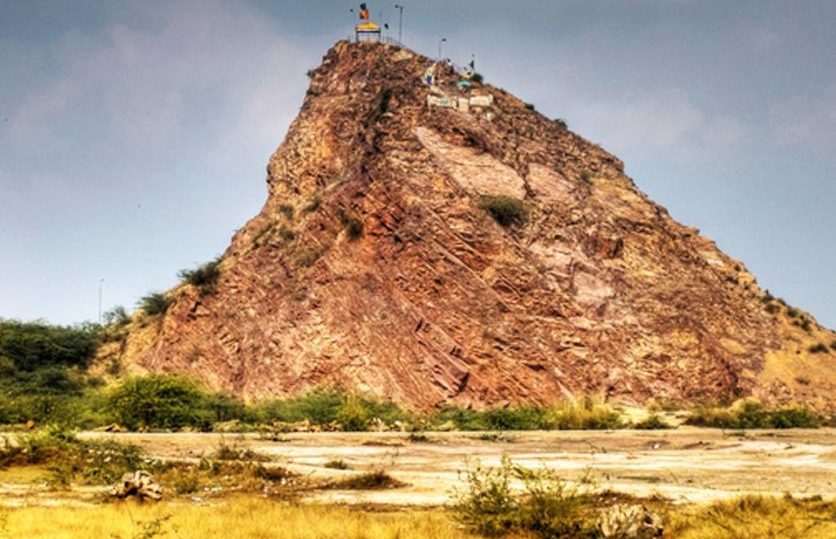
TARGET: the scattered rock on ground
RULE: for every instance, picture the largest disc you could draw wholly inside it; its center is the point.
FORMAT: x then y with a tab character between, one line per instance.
139	484
629	522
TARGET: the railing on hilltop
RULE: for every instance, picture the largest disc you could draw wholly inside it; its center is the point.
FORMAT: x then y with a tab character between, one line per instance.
460	69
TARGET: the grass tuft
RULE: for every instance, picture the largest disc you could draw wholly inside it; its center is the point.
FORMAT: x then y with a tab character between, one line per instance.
505	210
155	304
204	276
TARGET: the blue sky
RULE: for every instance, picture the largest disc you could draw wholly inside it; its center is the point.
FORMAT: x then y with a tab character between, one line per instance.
134	135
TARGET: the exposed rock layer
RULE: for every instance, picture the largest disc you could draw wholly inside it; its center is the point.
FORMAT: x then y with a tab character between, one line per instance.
598	292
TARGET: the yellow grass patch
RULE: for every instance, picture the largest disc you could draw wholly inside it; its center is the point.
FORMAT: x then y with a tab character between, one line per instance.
239	518
754	517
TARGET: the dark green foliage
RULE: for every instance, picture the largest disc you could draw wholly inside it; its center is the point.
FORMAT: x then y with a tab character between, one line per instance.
772	308
548	507
752	415
287	210
41	371
323	407
353	227
833	345
792	312
29	346
818	348
504	209
477	78
205	275
168	402
375	480
287	234
586	176
794	418
155	304
585	415
117	317
530	106
561	123
652	422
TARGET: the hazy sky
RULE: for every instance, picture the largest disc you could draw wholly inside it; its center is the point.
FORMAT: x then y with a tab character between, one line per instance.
134	135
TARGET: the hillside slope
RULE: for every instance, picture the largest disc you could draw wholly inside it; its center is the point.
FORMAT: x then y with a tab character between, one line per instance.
375	266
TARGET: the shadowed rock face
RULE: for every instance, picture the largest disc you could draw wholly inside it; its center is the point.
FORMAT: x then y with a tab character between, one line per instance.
597	292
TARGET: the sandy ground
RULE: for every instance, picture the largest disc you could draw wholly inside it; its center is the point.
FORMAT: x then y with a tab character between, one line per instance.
684	465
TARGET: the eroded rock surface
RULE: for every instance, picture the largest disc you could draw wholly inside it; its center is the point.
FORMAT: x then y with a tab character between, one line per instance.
598	292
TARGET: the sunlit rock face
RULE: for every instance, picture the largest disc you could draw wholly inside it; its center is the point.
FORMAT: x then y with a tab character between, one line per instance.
375	266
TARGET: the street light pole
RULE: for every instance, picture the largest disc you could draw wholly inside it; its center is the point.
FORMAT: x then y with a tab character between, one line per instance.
442	40
400	7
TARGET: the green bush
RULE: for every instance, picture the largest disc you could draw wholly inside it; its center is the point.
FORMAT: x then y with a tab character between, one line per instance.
68	459
167	402
772	308
324	407
652	422
205	275
504	209
31	345
41	372
585	415
155	304
118	317
548	507
353	227
752	415
478	78
818	348
374	480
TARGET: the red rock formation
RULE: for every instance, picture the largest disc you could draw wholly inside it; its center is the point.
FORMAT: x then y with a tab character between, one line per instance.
598	291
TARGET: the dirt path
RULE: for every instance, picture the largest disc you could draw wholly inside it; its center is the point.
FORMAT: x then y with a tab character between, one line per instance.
686	464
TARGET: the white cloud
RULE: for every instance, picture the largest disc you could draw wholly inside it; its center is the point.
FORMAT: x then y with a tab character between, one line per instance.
136	84
807	119
667	122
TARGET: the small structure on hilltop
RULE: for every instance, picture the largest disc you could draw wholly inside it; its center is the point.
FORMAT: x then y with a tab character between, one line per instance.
458	95
366	30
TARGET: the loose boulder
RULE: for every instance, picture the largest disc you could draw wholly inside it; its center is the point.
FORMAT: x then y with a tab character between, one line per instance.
139	484
629	522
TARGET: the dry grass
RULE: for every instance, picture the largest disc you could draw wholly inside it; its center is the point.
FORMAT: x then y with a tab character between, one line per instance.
750	517
755	517
242	518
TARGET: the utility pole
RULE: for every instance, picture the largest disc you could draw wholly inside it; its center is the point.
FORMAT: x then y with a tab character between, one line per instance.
440	42
101	281
400	7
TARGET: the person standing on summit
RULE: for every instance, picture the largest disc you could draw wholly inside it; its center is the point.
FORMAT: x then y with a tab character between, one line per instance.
364	12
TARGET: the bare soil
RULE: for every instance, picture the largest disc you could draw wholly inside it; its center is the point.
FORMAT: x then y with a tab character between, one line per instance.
683	465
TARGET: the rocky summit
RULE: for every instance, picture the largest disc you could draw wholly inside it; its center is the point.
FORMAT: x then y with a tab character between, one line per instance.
435	241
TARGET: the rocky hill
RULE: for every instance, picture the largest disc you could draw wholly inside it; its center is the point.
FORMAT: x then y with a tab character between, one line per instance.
435	244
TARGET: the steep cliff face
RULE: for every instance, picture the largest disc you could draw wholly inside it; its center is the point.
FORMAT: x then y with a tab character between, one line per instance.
375	266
